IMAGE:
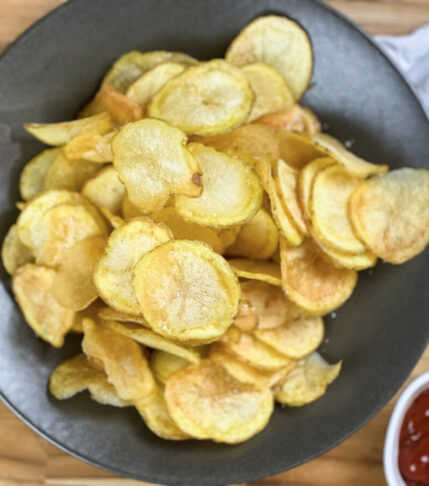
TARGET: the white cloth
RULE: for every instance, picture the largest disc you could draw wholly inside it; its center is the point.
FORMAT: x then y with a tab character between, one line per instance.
411	54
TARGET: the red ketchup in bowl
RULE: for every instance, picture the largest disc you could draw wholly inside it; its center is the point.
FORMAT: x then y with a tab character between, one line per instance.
414	442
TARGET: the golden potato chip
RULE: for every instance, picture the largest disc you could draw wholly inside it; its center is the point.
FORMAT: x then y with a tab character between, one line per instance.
113	274
271	90
297	149
270	304
258	238
90	146
20	205
228	234
74	286
390	214
355	165
232	191
32	287
122	358
206	99
33	175
280	42
256	270
129	211
61	133
150	82
153	340
186	291
153	163
75	375
109	314
346	260
208	403
296	338
246	318
90	312
164	365
312	283
68	174
105	190
114	220
331	191
13	251
308	381
294	118
133	64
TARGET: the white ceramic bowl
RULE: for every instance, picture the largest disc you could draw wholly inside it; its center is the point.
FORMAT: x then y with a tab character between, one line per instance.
391	443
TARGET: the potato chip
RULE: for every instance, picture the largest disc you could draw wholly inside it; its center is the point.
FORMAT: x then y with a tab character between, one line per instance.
256	270
20	205
280	42
271	90
390	214
294	118
32	287
297	149
109	314
246	319
186	291
33	175
13	252
153	163
133	64
113	275
129	211
228	234
312	283
153	340
270	304
331	191
258	238
232	192
208	403
73	285
61	133
164	365
90	146
75	375
355	165
308	381
206	99
295	338
114	220
150	82
122	358
90	312
105	190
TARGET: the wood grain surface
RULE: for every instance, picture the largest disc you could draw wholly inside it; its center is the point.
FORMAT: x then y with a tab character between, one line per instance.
28	460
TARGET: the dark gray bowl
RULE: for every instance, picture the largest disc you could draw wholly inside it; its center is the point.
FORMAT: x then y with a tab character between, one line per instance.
52	71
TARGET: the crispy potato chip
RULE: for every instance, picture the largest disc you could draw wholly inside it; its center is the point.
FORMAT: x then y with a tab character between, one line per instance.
20	205
297	149
109	314
312	283
114	220
390	214
90	312
355	165
153	163
340	259
133	64
13	252
270	304
256	270
74	286
246	319
150	82
229	234
331	191
33	175
208	403
75	375
61	133
105	190
129	211
122	358
90	146
294	118
113	274
258	238
232	192
164	365
296	338
32	287
308	381
280	42
153	340
271	90
206	99
186	291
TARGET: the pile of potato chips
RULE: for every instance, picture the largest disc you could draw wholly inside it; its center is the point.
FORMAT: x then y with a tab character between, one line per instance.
195	225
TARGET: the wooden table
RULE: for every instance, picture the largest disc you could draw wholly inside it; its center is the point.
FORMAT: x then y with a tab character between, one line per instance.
28	460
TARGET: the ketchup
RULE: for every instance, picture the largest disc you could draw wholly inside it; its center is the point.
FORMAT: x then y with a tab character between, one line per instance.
414	443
